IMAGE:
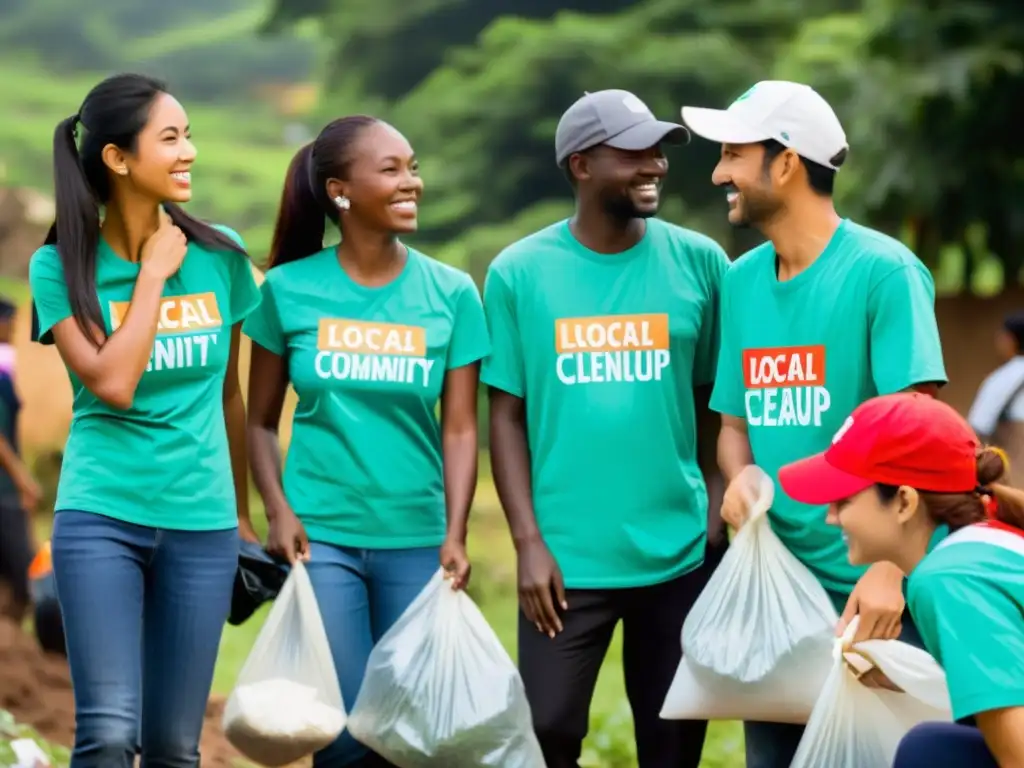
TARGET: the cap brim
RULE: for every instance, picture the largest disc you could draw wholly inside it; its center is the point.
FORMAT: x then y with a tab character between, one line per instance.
719	126
814	481
649	134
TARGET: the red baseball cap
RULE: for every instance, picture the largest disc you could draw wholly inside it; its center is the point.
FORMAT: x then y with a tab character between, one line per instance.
904	439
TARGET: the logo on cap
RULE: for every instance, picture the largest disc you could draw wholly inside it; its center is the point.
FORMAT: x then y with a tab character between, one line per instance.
842	430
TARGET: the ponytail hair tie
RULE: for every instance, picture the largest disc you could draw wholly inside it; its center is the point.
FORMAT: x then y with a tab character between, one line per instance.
1002	457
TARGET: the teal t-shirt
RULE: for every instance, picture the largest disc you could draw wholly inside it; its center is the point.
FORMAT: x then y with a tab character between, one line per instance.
967	600
798	356
164	462
605	350
364	466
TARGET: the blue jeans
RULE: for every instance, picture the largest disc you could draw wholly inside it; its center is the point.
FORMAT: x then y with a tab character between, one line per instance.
143	610
943	745
773	745
361	593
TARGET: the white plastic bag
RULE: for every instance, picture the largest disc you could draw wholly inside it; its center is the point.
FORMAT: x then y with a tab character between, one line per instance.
757	644
853	726
287	702
441	690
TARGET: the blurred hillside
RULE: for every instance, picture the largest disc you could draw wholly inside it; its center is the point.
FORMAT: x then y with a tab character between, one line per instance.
246	92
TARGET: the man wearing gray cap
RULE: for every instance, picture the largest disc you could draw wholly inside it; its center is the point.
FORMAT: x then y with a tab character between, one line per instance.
824	315
601	326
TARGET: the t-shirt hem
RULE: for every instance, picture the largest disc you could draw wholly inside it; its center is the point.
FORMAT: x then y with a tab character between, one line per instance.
237	317
356	541
928	377
635	581
149	522
985	702
503	384
45	335
269	346
739	413
461	362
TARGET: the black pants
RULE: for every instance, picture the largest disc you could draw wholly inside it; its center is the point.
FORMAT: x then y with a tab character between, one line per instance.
560	674
15	552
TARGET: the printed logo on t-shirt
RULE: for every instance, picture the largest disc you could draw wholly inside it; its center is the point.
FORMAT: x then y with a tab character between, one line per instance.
356	350
785	386
187	330
611	348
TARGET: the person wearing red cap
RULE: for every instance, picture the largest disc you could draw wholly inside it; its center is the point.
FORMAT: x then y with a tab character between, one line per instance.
900	469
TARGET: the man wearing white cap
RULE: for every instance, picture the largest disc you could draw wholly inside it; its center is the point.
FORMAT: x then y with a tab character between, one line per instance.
602	325
823	316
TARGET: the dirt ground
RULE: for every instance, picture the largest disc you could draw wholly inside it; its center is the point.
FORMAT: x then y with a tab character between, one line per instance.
36	688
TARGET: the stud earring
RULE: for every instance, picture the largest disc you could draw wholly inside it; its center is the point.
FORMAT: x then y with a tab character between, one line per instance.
123	171
342	202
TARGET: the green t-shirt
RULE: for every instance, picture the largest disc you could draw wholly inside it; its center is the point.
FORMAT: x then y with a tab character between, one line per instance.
364	466
164	462
967	600
799	355
605	350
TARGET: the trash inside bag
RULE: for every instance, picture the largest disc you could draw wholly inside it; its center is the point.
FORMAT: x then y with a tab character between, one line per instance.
441	690
757	643
854	726
287	702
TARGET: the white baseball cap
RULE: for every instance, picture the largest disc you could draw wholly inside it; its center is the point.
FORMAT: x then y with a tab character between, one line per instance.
793	114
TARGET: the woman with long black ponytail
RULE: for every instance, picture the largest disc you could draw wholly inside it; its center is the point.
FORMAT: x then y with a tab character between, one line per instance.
144	304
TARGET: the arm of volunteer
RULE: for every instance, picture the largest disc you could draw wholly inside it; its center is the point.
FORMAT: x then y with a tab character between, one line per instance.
904	336
268	383
503	374
729	395
111	371
234	422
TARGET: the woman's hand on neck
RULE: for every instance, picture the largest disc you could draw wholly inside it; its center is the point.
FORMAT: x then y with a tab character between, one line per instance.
128	223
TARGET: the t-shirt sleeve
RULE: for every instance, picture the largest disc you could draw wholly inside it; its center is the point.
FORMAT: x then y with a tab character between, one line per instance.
994	397
263	324
470	341
705	360
973	630
50	300
904	335
503	368
245	294
728	394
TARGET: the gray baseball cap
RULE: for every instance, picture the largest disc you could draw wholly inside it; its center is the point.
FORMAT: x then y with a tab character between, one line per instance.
616	118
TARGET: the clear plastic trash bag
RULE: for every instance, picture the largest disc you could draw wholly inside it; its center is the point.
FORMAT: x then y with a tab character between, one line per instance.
757	643
853	726
287	702
441	690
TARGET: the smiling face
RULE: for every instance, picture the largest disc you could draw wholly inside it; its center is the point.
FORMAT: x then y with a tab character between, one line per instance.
874	527
747	183
626	182
159	165
383	185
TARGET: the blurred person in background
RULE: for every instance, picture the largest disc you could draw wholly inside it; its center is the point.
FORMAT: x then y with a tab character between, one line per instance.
901	467
373	335
144	305
19	491
821	317
603	326
997	413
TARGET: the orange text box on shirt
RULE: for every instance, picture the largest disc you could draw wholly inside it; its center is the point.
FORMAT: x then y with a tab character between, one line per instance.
784	367
178	314
611	333
339	335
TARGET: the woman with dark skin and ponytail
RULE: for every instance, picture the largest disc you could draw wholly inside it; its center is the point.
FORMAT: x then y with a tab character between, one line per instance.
144	304
903	471
372	334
